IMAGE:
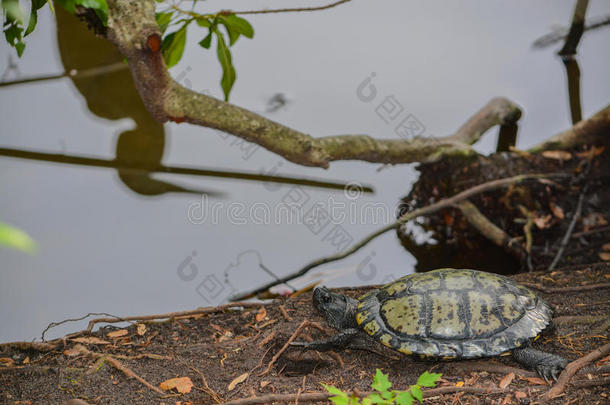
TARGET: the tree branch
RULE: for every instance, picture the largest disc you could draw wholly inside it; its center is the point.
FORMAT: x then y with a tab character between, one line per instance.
133	29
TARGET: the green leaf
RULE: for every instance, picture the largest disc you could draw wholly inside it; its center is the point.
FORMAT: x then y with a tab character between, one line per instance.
207	41
238	24
428	379
99	6
377	399
381	382
404	398
417	394
163	20
13	11
36	5
228	71
333	390
203	22
173	47
17	239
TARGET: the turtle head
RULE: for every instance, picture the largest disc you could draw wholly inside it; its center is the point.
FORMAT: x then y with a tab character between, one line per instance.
339	310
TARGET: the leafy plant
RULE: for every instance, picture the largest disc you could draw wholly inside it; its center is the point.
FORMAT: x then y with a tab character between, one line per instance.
382	385
14	22
15	238
233	27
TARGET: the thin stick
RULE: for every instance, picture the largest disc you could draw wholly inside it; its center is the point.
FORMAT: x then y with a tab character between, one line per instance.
169	315
119	366
573	367
448	202
566	237
323	396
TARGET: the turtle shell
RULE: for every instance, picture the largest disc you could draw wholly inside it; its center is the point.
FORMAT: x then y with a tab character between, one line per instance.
451	313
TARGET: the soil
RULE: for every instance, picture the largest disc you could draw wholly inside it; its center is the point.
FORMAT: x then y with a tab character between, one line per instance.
225	344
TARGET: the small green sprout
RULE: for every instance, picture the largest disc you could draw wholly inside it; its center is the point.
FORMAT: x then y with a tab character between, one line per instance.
382	385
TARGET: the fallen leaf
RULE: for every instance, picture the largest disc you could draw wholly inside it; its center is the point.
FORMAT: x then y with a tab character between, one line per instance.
7	361
216	327
141	329
117	333
506	380
602	361
459	384
71	352
536	381
605	256
262	314
543	222
520	394
506	400
26	360
238	380
557	154
264	383
182	384
91	340
594	151
557	210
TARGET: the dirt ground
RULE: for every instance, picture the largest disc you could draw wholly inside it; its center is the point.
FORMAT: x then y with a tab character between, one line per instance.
218	349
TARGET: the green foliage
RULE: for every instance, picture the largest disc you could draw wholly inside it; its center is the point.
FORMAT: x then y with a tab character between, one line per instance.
233	27
17	239
14	22
382	385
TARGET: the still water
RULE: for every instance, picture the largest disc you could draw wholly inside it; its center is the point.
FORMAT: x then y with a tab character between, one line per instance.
123	241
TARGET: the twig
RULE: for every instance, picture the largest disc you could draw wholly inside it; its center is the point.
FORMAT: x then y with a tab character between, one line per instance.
170	315
490	367
285	313
566	238
119	366
572	368
206	387
73	74
578	319
554	290
290	340
448	202
323	396
267	11
37	346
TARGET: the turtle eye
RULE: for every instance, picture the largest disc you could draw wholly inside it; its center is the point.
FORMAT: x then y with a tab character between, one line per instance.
326	298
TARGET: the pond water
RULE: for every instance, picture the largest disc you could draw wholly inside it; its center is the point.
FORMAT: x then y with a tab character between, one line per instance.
125	242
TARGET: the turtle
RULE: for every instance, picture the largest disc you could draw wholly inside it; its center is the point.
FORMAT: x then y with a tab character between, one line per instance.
442	314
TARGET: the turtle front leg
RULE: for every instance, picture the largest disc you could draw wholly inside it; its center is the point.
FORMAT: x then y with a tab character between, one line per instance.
547	365
339	341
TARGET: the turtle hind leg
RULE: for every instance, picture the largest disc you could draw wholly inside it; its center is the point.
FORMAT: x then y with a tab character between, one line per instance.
547	365
339	341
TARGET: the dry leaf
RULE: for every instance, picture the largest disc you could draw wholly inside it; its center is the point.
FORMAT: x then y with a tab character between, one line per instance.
182	384
605	256
141	329
506	380
238	380
262	314
602	361
557	210
7	361
543	222
520	394
26	360
264	384
594	151
536	381
117	333
71	352
90	340
459	384
557	154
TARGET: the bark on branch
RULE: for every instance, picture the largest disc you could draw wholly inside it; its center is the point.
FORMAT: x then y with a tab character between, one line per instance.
133	29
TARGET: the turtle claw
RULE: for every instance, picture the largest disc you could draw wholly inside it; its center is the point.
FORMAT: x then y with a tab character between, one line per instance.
550	370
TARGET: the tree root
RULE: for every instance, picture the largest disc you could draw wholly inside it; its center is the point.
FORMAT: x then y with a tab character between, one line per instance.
572	368
119	366
323	396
